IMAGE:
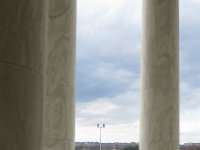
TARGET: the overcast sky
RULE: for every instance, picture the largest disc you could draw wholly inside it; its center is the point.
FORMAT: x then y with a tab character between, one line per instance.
108	70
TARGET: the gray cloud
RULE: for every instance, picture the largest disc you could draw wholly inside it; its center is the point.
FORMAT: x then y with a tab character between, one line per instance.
112	110
189	41
108	45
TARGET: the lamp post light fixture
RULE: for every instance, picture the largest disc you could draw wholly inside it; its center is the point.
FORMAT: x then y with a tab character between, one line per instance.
100	126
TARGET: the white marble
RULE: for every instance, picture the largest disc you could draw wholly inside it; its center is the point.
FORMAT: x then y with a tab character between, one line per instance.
22	36
160	76
59	105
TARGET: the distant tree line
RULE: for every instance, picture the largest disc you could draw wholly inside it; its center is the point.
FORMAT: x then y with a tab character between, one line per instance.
130	147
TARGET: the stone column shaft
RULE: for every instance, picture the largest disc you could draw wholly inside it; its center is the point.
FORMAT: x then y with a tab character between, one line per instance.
22	36
59	109
160	76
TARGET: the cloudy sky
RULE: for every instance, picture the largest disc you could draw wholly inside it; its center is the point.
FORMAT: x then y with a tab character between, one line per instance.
108	70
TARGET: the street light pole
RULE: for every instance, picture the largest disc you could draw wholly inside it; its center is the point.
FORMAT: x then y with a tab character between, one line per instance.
100	126
100	139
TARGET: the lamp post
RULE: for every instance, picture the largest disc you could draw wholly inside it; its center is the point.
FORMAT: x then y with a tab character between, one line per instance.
100	126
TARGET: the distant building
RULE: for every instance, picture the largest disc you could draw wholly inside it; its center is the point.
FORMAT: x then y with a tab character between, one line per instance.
105	146
121	146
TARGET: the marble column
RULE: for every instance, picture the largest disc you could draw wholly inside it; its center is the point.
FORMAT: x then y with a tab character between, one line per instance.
160	76
59	107
22	48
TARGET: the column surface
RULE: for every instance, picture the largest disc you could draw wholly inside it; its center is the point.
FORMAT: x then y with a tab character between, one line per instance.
59	109
21	74
160	76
